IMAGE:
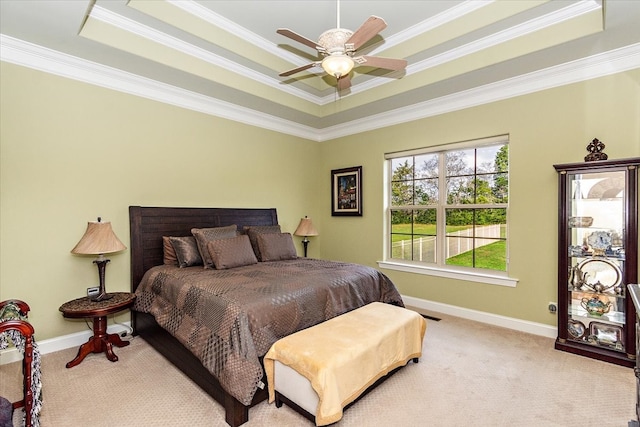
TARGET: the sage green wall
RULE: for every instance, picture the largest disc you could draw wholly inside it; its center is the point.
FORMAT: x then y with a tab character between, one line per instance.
545	128
71	152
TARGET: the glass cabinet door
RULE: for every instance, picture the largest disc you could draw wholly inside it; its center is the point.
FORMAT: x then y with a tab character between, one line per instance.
596	253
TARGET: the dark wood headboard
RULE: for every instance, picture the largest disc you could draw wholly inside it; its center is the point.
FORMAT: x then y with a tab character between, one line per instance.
149	224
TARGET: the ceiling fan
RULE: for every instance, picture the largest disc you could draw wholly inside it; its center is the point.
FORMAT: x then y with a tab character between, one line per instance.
338	48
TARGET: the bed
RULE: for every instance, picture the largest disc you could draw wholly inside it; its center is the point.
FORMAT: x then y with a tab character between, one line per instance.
230	317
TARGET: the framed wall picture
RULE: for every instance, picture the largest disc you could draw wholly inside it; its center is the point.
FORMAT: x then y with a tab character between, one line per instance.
346	191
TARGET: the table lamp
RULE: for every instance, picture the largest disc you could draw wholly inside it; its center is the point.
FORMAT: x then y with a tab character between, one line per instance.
305	228
99	239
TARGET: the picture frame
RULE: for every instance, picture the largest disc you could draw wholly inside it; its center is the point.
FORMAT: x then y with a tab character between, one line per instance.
346	191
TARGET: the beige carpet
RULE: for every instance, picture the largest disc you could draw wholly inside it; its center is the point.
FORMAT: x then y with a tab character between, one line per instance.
470	375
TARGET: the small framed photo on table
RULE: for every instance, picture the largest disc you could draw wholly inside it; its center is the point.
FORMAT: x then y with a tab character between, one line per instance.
346	191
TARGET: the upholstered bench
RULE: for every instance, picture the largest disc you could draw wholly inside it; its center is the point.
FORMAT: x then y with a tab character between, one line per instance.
324	368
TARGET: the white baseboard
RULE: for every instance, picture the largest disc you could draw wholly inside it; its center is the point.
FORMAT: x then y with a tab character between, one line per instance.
79	338
61	343
483	317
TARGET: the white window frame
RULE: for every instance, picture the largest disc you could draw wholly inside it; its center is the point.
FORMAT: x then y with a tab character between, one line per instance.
442	270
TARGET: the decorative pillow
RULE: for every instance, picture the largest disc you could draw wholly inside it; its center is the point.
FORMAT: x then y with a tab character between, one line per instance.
254	230
205	235
276	247
169	254
186	250
231	252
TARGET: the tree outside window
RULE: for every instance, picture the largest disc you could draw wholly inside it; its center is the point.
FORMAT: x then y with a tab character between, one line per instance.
449	208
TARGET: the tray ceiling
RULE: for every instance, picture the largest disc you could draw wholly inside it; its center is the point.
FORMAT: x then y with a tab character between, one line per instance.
223	57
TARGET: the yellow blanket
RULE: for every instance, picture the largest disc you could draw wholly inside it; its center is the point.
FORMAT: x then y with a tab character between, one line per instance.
344	355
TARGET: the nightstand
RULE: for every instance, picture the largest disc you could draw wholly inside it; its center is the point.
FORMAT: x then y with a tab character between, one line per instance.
101	341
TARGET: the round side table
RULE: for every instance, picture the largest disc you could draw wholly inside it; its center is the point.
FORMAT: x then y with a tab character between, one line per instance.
101	341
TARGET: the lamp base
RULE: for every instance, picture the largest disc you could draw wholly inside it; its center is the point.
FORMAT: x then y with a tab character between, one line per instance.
102	294
102	297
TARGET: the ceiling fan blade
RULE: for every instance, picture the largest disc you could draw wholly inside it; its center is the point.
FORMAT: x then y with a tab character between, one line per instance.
297	70
297	37
367	31
378	62
344	82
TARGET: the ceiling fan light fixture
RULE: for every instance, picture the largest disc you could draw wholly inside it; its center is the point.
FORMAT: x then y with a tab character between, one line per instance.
338	65
338	47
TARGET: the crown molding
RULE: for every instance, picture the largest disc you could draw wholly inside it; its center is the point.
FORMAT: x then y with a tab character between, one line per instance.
570	12
513	33
600	65
49	61
219	21
125	24
449	15
29	55
209	16
138	29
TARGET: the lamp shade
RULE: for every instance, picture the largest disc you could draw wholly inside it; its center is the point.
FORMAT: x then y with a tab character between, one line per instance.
98	239
337	65
306	228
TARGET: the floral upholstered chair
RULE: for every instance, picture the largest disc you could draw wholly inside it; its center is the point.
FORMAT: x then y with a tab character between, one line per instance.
15	328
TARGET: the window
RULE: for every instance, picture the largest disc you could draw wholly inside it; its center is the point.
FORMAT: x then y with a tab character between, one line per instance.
447	207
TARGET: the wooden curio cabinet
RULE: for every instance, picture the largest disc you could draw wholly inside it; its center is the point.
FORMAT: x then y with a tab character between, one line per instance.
598	258
634	292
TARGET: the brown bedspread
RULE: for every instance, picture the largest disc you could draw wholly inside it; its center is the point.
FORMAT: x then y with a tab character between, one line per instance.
230	318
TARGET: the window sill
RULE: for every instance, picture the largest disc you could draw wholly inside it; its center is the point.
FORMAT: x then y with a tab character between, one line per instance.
450	274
